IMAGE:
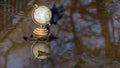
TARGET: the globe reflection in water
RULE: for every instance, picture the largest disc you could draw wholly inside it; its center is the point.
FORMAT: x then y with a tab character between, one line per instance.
40	50
42	15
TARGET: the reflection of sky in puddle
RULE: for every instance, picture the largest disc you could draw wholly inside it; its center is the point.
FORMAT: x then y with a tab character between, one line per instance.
13	64
17	58
94	43
69	46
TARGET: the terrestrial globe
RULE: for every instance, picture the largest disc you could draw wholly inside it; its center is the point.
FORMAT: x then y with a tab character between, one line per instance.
41	15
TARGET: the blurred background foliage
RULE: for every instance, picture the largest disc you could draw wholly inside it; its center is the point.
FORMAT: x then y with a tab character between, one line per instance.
89	34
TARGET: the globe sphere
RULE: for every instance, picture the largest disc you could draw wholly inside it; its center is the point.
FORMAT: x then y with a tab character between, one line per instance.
41	15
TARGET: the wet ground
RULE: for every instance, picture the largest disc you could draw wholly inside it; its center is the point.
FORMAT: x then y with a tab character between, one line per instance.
89	37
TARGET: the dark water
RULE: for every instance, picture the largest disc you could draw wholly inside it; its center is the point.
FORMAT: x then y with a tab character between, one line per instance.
89	35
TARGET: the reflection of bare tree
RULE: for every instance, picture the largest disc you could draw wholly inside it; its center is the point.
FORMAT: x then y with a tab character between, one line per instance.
104	17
